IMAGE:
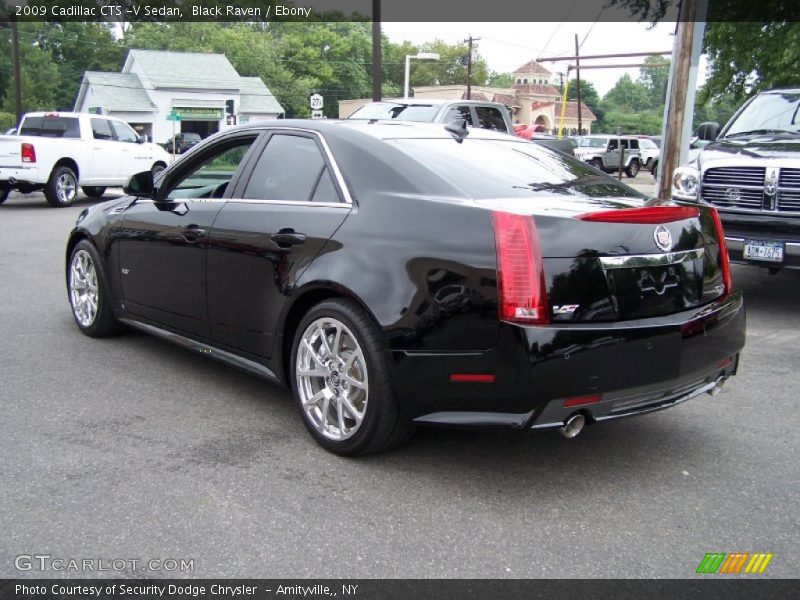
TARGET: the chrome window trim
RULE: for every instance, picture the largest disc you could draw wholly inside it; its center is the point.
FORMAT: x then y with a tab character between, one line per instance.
289	202
651	260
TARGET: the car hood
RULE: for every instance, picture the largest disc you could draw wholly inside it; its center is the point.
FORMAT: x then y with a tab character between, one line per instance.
755	147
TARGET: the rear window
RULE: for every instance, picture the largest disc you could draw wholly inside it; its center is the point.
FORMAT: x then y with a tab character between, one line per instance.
59	127
424	113
498	168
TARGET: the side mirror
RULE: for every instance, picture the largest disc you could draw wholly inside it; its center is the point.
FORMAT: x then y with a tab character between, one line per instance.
708	131
140	185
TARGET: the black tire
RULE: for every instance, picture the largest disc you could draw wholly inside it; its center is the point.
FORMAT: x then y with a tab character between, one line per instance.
632	170
596	163
4	192
103	323
383	426
94	192
55	192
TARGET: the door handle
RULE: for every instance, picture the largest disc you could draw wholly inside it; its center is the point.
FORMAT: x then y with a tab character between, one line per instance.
287	237
192	233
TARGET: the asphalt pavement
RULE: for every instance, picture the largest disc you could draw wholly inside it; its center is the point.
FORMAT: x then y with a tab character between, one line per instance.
132	448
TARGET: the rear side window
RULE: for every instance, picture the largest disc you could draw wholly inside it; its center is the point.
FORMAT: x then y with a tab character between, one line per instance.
490	117
101	129
60	127
460	113
291	168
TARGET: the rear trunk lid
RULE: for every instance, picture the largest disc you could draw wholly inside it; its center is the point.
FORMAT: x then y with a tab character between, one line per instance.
608	260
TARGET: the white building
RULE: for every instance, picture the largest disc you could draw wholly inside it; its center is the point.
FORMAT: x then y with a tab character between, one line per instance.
200	88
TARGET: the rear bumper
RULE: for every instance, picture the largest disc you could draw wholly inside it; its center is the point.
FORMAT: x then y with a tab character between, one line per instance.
630	367
13	176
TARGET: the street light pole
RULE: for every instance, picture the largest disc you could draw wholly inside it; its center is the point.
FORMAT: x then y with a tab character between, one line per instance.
418	56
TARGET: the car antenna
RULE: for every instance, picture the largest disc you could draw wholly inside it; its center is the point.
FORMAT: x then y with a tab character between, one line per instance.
458	129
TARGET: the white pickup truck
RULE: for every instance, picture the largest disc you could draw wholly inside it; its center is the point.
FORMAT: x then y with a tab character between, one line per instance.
58	152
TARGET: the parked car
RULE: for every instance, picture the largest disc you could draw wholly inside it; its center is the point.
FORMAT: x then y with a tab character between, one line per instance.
395	274
530	132
182	142
602	152
58	152
650	152
750	171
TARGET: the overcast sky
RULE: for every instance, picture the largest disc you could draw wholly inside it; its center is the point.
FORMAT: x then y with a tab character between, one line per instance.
506	46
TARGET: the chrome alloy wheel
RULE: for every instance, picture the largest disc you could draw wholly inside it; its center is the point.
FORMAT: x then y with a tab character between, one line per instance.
66	188
332	383
83	290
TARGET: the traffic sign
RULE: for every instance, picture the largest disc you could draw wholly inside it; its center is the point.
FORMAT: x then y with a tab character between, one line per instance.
316	114
315	101
173	117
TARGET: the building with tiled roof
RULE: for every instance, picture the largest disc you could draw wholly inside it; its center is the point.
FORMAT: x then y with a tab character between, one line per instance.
199	87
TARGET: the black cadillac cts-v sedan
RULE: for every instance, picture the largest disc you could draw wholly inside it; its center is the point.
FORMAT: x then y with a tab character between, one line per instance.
396	274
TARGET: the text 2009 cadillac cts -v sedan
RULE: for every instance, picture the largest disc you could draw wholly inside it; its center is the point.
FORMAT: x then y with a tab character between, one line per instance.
395	274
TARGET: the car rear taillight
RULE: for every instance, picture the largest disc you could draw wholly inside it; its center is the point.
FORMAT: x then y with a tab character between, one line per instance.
28	153
521	292
724	263
650	215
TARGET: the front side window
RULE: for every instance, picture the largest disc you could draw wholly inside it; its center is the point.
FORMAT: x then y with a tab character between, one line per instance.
291	168
211	173
101	129
490	117
124	132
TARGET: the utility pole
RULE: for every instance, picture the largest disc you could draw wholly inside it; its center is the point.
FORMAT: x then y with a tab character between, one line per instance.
17	71
376	50
469	41
578	83
680	91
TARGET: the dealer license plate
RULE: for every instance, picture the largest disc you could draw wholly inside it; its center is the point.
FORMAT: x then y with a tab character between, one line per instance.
761	250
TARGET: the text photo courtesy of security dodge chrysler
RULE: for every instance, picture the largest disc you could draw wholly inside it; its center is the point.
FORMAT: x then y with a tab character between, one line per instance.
400	274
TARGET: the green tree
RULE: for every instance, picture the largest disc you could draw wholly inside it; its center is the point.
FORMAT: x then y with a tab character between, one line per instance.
40	76
627	95
502	80
589	97
654	77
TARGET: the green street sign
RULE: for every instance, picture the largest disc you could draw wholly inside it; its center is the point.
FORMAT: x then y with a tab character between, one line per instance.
173	117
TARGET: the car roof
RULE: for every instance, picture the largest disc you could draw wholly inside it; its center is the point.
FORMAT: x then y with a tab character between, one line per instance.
432	102
388	129
65	113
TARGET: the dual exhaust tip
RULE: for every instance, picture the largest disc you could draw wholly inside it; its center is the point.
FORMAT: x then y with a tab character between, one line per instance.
576	422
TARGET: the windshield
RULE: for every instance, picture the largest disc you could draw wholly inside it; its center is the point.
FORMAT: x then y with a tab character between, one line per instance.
772	112
424	113
593	142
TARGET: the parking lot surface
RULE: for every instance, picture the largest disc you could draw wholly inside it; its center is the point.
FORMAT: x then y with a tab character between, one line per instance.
130	447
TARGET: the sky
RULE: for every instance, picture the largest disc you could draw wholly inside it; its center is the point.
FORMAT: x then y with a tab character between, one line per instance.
507	46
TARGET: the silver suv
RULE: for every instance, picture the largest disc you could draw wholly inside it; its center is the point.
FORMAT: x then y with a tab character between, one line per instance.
602	152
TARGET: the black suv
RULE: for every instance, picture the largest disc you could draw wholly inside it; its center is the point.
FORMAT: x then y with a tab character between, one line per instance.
182	142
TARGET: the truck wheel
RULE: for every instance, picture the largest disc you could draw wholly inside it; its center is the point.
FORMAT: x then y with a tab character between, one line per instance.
4	192
156	170
93	192
632	170
62	187
596	163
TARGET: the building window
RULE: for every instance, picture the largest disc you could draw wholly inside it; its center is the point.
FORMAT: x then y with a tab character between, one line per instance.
526	80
